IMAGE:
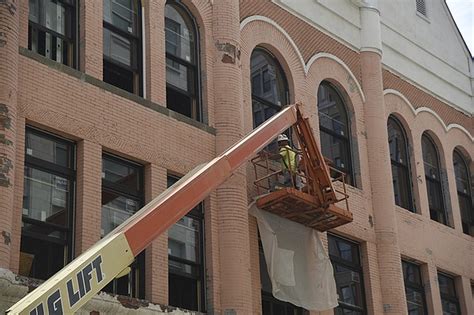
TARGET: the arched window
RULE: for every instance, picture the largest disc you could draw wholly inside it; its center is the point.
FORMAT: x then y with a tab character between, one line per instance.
463	186
269	86
433	180
269	95
182	59
335	132
123	44
401	178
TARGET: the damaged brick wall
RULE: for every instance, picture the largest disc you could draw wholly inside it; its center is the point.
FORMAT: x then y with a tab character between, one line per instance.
8	98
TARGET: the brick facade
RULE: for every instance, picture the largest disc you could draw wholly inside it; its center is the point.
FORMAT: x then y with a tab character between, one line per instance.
98	117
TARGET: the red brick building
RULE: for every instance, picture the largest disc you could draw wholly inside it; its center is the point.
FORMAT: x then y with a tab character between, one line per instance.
96	92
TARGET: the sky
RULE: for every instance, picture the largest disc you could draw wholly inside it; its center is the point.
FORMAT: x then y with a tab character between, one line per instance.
463	13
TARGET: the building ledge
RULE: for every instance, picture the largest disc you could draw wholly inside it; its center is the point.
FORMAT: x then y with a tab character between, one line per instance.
14	287
115	90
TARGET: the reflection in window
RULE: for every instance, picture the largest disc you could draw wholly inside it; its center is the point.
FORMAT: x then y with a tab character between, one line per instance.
52	29
122	196
334	129
186	260
464	189
414	290
182	74
345	259
449	299
269	86
433	180
46	236
122	41
397	143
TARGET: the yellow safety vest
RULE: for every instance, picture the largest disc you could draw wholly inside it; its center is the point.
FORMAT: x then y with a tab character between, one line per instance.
288	157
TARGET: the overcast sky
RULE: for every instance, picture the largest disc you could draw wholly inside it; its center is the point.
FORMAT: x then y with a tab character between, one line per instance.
463	13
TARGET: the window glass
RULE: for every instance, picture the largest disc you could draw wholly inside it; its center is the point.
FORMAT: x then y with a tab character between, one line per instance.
345	259
461	172
464	189
47	149
430	158
122	44
332	112
122	197
449	299
400	165
182	74
433	180
122	173
186	261
414	289
334	130
46	196
179	34
117	47
268	80
46	235
52	30
121	14
115	210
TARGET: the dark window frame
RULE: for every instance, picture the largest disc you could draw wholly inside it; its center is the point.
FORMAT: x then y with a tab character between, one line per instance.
451	299
66	172
356	267
197	213
404	167
137	289
345	140
136	49
466	195
415	286
263	101
435	182
72	41
196	97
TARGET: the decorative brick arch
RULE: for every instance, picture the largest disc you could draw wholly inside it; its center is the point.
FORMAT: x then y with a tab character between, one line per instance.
257	32
325	67
446	138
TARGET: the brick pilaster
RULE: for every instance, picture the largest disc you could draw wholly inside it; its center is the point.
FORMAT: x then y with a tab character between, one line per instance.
91	38
155	63
234	247
156	255
388	250
88	191
9	29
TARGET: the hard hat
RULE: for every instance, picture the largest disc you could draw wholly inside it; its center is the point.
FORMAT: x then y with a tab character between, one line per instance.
282	137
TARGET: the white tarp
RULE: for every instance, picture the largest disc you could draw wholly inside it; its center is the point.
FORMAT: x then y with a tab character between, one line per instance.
299	267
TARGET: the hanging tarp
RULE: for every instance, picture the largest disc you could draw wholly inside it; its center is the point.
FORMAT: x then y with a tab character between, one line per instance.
299	267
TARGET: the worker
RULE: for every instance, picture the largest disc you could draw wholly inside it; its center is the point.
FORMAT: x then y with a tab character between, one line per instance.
288	161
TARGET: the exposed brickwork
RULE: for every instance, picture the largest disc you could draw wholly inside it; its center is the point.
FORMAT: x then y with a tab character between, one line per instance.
309	40
419	98
9	34
156	255
234	247
18	201
88	195
388	251
90	38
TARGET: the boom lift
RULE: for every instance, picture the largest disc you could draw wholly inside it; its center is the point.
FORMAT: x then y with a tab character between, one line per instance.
70	288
